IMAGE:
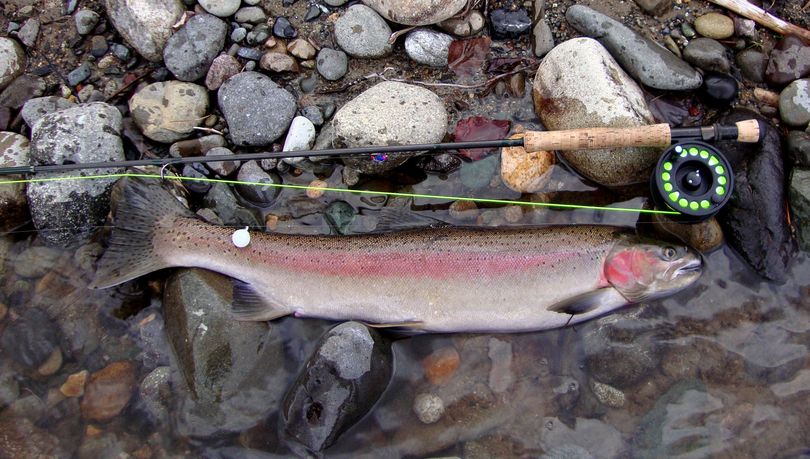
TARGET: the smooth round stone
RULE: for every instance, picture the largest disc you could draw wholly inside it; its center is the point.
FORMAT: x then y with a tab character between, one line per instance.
794	103
707	54
12	61
335	2
278	62
282	28
301	49
715	25
313	113
223	168
108	391
704	236
720	89
257	110
250	15
145	24
752	64
86	21
38	107
428	47
257	194
238	34
332	64
168	111
191	50
301	136
223	67
465	26
429	408
416	12
543	38
361	32
221	8
510	24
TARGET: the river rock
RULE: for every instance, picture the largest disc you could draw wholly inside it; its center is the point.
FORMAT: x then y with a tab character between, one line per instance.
301	48
28	32
38	107
798	148
416	12
361	32
343	378
789	60
794	103
231	374
86	21
223	67
610	99
197	146
754	220
428	47
108	391
655	7
21	90
543	38
752	65
800	204
301	136
61	211
720	89
262	196
191	50
465	26
168	111
21	438
332	64
14	151
715	25
250	15
707	54
650	63
278	62
257	110
704	236
526	172
145	24
508	23
221	8
31	339
221	199
413	115
12	61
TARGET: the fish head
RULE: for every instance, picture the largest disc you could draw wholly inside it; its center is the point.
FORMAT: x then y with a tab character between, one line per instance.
645	270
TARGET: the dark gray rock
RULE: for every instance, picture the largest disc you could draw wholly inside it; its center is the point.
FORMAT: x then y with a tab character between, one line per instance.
63	210
223	202
621	353
31	339
752	65
28	32
282	28
789	60
507	23
191	50
800	204
361	32
332	64
257	110
21	90
707	54
79	74
719	89
262	196
343	378
794	103
798	148
655	7
313	114
754	220
86	21
650	63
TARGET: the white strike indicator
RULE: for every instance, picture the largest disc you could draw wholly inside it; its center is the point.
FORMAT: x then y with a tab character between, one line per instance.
241	237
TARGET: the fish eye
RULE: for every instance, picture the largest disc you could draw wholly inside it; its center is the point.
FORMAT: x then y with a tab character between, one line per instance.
668	253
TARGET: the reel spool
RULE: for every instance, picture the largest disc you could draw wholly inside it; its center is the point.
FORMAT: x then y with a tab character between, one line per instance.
693	178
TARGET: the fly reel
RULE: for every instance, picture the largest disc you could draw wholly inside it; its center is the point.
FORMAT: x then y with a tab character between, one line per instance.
692	178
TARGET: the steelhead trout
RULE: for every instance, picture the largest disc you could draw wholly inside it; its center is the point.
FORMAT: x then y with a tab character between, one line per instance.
433	279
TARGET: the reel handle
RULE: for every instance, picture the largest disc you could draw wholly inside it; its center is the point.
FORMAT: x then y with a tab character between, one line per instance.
656	135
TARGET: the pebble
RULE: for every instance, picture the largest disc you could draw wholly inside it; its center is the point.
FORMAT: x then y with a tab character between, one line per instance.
145	24
250	15
707	54
745	28
31	339
74	385
223	67
611	98
608	395
254	120
466	26
464	211
108	391
340	215
358	122
222	168
21	90
428	47
120	51
800	204
313	114
645	60
191	50
168	111
704	236
429	408
301	136
52	364
715	25
526	172
98	46
332	64
79	74
510	23
789	60
261	196
282	28
794	103
720	89
238	34
361	32
278	62
417	12
302	49
543	38
195	171
28	32
221	8
752	64
196	147
655	7
12	61
440	365
86	21
313	193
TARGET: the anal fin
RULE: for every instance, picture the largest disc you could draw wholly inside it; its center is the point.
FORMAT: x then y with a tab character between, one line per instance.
248	305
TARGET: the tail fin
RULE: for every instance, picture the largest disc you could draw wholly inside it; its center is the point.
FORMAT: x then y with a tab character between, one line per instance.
140	206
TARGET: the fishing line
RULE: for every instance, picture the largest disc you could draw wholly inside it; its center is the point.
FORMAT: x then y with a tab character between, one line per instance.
344	190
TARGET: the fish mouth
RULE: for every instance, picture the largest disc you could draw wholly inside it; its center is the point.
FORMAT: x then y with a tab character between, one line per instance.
691	266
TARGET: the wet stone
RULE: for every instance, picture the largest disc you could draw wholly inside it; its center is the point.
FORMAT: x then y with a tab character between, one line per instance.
145	24
608	395
440	365
800	204
789	60
9	387
155	394
704	236
282	28
253	54
707	54
188	53
752	65
361	32
301	136
332	64
21	438
86	21
259	195
429	408
14	151
340	215
31	339
510	24
526	172
343	378
221	199
108	391
720	89
794	103
74	385
715	25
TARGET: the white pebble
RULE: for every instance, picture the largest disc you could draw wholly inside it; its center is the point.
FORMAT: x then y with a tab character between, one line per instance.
429	408
241	237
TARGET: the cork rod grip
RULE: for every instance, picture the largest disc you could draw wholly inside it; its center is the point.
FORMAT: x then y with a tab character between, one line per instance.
748	131
594	138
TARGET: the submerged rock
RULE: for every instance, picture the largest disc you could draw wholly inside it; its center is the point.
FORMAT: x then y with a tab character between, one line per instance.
416	12
343	378
610	99
754	220
108	391
800	204
413	115
31	339
650	63
526	172
145	24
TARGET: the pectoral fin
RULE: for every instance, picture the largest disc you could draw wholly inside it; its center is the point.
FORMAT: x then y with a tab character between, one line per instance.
248	305
588	302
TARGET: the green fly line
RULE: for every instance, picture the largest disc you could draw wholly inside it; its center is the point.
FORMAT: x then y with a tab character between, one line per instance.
342	190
